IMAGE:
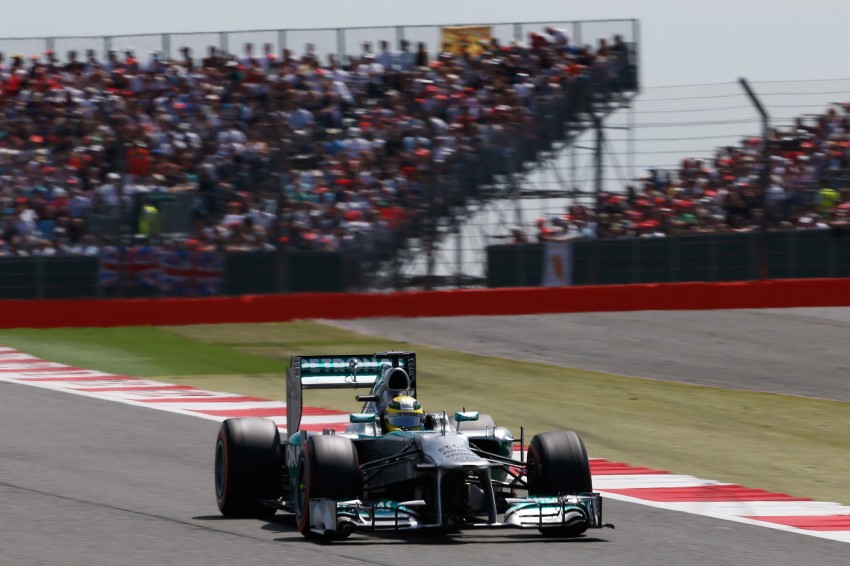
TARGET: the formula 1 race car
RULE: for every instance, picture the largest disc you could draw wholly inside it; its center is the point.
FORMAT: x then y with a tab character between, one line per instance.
395	467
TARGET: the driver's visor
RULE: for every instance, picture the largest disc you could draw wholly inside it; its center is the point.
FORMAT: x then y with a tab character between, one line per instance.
406	422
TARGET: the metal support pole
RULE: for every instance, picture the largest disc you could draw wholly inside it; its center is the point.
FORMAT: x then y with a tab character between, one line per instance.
597	152
597	159
573	166
166	47
459	257
458	225
222	42
39	277
430	232
340	47
637	54
763	270
515	193
630	140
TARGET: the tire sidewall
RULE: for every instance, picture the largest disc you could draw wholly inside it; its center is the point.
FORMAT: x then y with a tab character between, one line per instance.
222	470
315	463
302	512
535	478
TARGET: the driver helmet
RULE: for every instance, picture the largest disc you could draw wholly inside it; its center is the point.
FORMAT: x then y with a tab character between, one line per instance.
403	413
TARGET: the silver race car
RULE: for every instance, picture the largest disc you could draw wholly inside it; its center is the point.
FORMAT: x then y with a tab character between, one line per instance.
395	467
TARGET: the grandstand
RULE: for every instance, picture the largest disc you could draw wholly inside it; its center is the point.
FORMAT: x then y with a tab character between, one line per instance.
207	163
359	154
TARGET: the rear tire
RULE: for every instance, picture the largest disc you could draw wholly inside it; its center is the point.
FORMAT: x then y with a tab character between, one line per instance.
328	468
558	465
247	467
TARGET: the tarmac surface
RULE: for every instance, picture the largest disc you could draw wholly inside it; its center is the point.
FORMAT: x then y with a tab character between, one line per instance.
89	482
800	351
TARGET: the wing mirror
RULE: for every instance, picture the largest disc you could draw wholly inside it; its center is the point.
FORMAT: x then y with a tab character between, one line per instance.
365	398
362	418
464	416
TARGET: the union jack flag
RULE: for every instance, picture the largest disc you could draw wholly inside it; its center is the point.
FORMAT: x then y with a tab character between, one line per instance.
192	273
137	266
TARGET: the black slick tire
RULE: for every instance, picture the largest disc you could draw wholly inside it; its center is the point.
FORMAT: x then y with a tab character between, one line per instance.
247	467
328	468
558	465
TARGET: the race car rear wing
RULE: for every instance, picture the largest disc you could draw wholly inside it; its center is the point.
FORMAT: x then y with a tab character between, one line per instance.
339	372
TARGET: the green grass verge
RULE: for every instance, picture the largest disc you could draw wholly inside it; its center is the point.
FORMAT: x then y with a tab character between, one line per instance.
788	444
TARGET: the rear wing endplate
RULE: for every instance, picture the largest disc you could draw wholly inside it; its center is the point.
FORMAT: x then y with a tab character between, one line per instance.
338	372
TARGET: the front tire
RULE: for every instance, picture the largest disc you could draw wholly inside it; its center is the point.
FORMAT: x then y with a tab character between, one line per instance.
558	465
247	467
328	468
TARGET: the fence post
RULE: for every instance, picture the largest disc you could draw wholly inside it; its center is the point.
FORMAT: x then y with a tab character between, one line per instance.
633	61
637	268
594	262
107	46
832	257
39	277
791	254
753	252
675	251
281	40
714	257
340	47
763	271
222	41
282	268
166	47
521	277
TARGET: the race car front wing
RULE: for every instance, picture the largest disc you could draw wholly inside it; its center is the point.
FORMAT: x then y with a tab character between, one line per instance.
329	516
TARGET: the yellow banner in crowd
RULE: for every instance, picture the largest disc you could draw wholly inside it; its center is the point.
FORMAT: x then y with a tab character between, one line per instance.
468	39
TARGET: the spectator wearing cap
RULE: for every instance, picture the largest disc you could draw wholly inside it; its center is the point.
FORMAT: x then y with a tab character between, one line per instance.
558	37
107	195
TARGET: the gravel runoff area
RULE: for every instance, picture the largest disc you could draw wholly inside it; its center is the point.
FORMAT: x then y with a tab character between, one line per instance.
802	351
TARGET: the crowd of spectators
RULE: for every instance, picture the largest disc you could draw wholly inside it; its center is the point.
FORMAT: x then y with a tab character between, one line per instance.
274	151
804	175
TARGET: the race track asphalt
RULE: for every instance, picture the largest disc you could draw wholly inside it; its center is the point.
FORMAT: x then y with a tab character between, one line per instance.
85	481
790	351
